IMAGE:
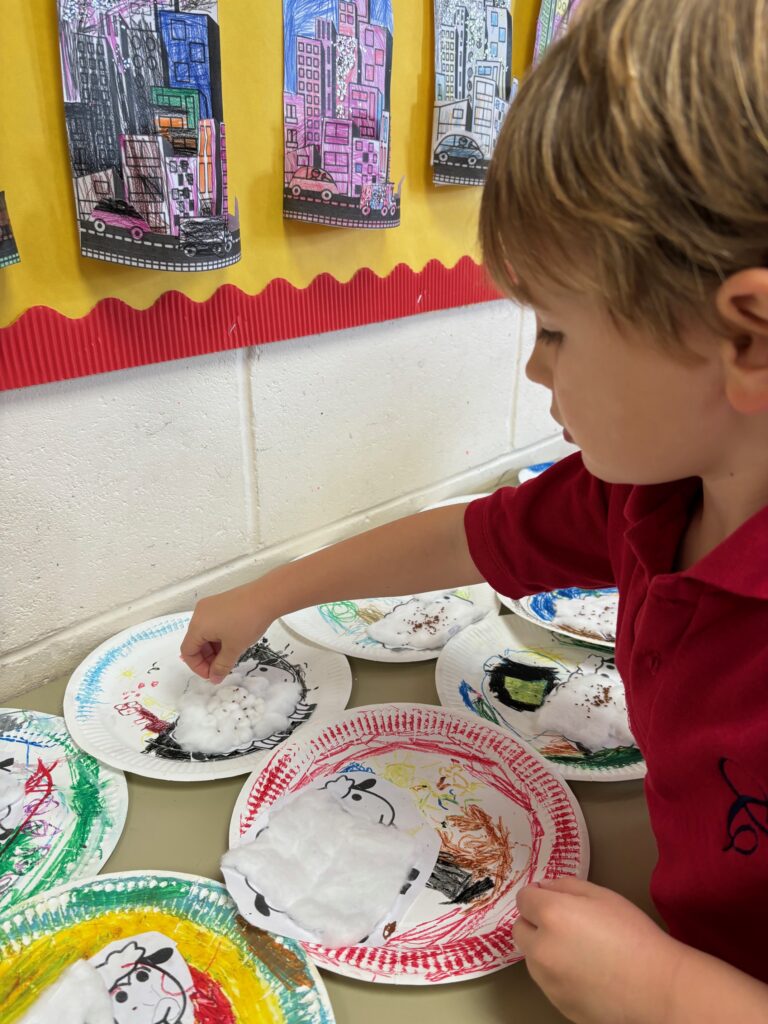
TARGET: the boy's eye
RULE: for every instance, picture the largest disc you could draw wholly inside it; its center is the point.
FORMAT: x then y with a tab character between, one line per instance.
549	337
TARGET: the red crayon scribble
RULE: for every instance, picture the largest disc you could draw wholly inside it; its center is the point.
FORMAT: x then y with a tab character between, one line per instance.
138	711
211	1005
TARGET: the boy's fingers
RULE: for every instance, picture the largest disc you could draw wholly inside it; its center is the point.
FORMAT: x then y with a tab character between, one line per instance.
572	886
532	900
523	933
223	665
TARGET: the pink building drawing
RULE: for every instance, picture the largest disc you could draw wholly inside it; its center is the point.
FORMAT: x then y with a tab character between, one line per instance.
365	109
337	152
181	175
366	164
348	18
293	132
309	75
374	43
207	160
325	32
224	173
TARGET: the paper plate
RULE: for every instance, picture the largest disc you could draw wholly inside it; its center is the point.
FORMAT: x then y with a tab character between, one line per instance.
343	625
505	819
63	811
122	701
588	615
239	975
468	675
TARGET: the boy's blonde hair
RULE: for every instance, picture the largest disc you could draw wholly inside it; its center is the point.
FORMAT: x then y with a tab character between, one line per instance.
633	164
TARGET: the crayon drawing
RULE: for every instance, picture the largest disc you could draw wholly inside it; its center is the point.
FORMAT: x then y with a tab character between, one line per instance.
473	87
337	113
9	253
61	810
553	21
147	138
168	949
503	818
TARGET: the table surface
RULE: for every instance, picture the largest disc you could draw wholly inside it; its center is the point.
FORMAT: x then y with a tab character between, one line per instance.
159	835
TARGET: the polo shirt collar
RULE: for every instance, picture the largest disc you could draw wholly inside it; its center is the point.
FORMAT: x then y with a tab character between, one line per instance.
657	516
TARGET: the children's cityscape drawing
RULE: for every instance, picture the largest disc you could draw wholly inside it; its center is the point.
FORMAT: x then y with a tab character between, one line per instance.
147	139
473	86
337	113
554	17
9	253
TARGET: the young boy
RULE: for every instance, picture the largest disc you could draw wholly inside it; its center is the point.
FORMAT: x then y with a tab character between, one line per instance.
628	204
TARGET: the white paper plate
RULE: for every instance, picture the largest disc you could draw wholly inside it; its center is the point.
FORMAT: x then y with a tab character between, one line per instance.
464	681
238	973
595	624
343	625
506	819
122	700
70	816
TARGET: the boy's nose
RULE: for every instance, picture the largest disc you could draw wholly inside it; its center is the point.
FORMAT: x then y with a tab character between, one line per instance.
537	368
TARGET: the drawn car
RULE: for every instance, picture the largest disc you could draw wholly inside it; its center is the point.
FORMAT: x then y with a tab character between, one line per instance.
204	234
459	149
309	180
378	197
116	213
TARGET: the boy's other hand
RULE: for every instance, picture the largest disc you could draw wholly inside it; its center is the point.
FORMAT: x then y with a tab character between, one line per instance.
220	629
597	957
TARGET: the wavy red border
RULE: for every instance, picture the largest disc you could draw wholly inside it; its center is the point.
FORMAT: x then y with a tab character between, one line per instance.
44	346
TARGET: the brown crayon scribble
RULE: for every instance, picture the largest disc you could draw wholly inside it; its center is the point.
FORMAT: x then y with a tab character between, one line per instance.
482	848
287	967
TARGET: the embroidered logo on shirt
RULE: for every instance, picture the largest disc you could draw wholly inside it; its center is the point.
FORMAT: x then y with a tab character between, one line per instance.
747	820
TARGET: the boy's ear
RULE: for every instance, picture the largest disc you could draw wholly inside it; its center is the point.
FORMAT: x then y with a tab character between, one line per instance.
742	302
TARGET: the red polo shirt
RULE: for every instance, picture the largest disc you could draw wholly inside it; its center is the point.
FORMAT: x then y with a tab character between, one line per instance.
692	649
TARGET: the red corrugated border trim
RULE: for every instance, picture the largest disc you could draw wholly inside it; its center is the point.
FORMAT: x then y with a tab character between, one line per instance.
44	346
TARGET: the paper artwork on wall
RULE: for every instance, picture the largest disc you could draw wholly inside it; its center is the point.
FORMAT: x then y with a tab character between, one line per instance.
473	87
146	131
553	21
337	113
9	253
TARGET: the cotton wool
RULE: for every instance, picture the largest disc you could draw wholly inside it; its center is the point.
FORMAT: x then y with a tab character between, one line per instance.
333	873
78	996
425	622
238	712
593	614
589	709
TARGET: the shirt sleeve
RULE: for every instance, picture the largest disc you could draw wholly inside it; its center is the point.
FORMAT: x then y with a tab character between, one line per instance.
546	534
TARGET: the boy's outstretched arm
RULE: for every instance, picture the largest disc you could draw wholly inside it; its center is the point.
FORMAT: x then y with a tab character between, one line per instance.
600	960
423	552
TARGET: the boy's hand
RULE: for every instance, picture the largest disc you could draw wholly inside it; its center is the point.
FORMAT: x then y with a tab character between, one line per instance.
221	628
597	957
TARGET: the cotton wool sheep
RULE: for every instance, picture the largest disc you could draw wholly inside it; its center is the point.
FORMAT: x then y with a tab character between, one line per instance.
78	996
425	622
333	873
238	712
590	709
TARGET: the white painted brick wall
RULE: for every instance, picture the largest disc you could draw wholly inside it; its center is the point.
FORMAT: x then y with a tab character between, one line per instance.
129	494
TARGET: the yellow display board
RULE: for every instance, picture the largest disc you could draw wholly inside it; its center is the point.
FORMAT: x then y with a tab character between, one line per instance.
437	222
